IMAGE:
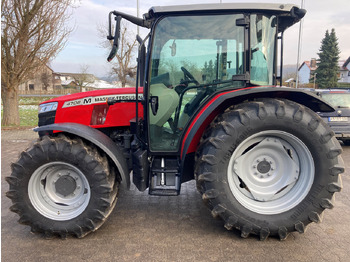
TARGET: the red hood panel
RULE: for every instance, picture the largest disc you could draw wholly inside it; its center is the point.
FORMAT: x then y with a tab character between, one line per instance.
107	92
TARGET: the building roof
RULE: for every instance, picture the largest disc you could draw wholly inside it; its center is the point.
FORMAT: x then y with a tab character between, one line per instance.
100	84
343	64
67	82
78	76
308	64
347	61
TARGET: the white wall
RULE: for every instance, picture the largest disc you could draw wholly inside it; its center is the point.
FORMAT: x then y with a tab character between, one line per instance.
304	74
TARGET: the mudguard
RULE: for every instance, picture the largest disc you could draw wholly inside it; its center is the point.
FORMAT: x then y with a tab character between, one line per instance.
223	100
97	138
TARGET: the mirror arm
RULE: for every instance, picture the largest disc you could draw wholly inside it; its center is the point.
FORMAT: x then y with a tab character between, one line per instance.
116	39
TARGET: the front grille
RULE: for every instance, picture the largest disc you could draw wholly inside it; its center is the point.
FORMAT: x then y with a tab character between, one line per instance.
47	118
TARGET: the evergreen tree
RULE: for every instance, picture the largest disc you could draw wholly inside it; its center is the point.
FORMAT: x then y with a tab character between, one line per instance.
327	70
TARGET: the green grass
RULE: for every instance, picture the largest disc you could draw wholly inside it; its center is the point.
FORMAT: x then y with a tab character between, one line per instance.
28	110
28	115
33	100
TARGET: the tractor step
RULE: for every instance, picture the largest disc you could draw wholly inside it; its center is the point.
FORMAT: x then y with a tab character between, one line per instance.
164	177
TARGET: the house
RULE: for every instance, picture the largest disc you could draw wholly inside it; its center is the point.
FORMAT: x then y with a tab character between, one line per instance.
43	81
344	71
306	71
78	81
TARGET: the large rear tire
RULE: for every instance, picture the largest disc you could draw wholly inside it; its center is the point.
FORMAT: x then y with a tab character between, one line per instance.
62	186
268	167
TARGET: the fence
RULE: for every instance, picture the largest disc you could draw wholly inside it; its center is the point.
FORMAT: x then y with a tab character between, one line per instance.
63	91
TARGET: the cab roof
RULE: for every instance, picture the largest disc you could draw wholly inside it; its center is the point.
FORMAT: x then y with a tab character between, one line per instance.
222	7
289	14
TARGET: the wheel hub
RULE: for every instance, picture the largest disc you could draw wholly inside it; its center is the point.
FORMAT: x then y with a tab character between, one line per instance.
270	172
264	167
65	185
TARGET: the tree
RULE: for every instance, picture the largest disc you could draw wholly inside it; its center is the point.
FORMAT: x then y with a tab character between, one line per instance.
83	79
32	33
327	70
123	66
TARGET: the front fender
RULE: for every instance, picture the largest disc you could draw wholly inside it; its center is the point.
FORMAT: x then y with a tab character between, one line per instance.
97	138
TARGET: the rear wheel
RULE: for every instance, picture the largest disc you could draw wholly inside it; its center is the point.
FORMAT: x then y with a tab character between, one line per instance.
62	186
268	167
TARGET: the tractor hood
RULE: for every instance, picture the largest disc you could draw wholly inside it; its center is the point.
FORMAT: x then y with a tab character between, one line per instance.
90	108
97	96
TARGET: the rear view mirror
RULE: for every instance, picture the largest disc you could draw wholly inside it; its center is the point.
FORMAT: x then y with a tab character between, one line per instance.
115	38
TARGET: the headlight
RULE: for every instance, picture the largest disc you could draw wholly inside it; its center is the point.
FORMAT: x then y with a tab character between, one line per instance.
48	107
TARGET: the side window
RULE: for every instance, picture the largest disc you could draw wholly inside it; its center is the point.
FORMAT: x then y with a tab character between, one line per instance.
262	30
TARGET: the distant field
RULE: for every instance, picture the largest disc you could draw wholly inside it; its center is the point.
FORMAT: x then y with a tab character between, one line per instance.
28	110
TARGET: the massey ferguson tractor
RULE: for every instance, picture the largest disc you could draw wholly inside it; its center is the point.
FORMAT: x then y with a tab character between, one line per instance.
206	106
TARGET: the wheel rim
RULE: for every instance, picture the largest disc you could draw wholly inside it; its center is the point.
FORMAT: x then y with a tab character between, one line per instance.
59	191
271	172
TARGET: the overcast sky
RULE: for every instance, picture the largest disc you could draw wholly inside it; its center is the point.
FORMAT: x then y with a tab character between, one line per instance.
83	47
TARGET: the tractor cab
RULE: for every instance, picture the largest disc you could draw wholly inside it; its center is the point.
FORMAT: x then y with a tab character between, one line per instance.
195	52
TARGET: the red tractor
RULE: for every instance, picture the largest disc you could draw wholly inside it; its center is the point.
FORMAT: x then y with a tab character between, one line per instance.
207	107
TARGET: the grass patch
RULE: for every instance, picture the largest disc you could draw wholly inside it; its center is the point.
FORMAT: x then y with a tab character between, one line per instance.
28	115
28	110
33	100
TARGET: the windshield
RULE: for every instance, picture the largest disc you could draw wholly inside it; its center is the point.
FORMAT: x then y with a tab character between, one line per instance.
338	100
209	47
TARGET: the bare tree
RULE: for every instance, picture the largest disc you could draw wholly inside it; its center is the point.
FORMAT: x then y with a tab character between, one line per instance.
123	65
83	79
46	79
32	33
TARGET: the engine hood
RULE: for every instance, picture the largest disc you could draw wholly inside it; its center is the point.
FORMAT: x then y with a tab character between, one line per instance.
95	93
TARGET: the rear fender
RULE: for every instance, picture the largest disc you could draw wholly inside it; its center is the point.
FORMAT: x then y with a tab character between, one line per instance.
97	138
222	101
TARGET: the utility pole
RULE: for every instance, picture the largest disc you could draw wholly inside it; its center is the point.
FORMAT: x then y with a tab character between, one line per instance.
138	29
315	80
299	47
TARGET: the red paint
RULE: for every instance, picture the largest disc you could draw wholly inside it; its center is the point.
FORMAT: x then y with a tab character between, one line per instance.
194	143
118	114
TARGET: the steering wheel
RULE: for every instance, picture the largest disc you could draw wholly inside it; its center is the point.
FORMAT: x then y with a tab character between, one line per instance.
189	78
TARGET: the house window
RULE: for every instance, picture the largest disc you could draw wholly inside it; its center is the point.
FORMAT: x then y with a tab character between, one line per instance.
349	73
31	87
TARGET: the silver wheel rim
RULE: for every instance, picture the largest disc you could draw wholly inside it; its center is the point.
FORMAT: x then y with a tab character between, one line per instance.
59	191
271	172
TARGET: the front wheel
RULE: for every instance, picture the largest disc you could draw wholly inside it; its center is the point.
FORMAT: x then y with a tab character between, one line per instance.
62	186
268	167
